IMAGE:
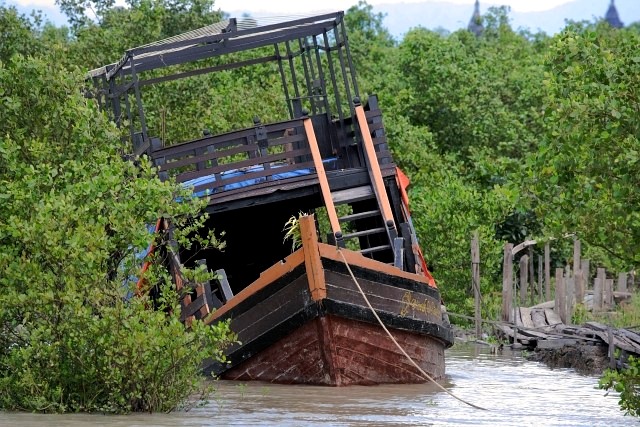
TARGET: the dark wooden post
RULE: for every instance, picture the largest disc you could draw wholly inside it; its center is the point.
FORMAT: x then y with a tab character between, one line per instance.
547	270
598	286
541	296
578	282
607	297
612	348
560	305
578	277
622	282
576	255
475	279
524	278
586	275
570	294
507	283
532	290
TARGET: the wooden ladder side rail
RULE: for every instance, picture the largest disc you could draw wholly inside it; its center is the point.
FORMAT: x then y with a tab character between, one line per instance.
374	172
322	178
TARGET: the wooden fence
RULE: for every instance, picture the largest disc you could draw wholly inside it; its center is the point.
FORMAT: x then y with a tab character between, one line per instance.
571	285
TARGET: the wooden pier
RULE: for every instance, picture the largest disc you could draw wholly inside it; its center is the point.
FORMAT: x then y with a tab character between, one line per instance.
541	329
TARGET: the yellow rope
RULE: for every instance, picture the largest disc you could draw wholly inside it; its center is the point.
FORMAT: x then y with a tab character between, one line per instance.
424	374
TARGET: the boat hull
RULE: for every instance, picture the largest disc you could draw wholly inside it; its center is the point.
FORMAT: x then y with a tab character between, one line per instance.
305	321
335	351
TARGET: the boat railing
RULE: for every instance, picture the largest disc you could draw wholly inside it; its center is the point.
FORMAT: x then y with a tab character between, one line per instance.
237	159
265	152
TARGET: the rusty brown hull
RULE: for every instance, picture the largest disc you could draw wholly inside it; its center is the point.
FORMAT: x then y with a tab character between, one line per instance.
305	321
335	351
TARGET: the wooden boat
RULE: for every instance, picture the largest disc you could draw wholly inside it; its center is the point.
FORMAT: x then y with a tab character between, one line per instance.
301	317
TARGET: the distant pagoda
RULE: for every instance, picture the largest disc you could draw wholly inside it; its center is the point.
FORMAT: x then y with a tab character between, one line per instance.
611	16
475	24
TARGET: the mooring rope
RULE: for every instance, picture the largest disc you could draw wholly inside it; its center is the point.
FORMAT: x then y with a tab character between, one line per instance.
424	374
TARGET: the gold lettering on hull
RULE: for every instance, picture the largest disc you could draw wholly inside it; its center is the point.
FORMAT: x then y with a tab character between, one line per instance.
413	305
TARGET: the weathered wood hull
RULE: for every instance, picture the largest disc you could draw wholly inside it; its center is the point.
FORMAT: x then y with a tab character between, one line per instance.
304	321
335	351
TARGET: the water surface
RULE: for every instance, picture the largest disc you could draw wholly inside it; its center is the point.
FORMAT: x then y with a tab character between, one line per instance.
514	391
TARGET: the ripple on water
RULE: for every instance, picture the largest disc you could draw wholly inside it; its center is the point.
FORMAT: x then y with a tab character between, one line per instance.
515	392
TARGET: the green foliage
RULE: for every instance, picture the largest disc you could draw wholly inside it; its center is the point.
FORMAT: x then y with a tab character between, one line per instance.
292	232
627	383
585	174
479	96
18	34
446	211
72	217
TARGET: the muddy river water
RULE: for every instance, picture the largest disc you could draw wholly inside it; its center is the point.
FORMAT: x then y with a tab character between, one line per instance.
515	392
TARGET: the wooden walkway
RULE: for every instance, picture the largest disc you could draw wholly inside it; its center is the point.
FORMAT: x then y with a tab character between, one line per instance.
541	328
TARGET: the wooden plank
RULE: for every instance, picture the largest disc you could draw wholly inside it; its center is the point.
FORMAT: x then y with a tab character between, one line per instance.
538	318
560	306
522	245
570	286
266	277
576	255
546	304
510	332
552	317
622	282
267	313
579	286
322	177
607	294
524	278
188	310
398	253
533	334
313	263
596	326
383	298
547	271
374	167
541	295
525	315
598	287
630	335
355	258
518	319
585	266
223	284
556	343
532	279
507	283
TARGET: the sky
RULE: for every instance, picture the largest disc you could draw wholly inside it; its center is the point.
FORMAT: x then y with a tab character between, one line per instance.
292	6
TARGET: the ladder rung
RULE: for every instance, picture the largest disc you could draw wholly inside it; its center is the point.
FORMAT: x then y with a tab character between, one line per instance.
352	194
375	249
364	233
357	216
